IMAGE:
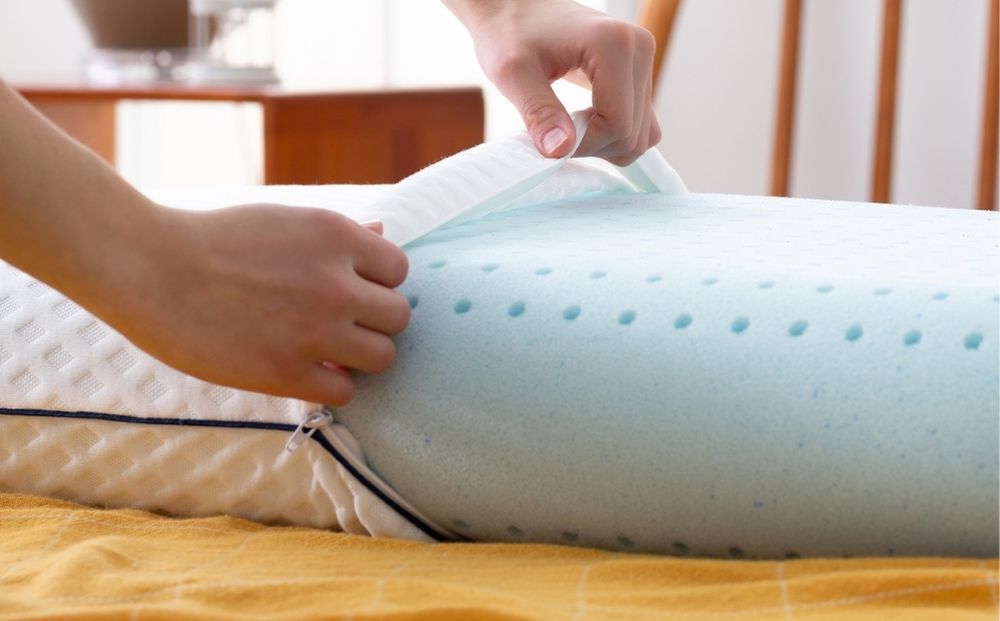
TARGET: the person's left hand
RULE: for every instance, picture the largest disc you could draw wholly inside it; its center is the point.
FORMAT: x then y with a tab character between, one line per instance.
525	45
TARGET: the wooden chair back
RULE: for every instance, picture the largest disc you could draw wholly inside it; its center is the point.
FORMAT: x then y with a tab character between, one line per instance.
659	16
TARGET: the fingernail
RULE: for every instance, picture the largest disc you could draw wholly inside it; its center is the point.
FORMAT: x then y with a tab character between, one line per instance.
553	139
374	225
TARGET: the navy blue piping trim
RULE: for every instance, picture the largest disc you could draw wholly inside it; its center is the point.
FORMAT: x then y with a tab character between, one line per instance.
182	422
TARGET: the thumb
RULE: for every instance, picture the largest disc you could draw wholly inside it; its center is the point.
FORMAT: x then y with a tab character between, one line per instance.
548	123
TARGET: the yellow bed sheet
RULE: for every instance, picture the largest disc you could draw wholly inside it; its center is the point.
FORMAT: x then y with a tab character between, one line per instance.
61	560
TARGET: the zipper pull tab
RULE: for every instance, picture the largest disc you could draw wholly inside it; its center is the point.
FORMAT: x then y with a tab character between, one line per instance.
313	421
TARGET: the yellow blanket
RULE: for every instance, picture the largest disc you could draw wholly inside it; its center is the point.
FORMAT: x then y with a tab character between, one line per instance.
60	560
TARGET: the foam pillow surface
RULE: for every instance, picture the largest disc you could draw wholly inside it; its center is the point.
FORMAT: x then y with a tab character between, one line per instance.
691	374
704	374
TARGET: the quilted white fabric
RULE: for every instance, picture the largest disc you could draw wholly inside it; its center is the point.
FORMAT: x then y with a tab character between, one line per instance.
191	471
55	357
68	360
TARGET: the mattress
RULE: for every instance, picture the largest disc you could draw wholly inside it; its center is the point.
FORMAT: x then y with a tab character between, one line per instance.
690	374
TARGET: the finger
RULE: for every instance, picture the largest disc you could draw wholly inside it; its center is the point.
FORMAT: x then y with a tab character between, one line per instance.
628	149
383	310
359	348
655	132
547	121
639	141
325	383
648	128
579	77
648	136
614	109
379	260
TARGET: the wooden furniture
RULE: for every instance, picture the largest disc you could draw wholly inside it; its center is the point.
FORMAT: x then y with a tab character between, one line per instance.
658	16
319	137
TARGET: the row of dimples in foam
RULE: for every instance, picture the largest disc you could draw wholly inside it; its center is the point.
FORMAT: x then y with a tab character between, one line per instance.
703	374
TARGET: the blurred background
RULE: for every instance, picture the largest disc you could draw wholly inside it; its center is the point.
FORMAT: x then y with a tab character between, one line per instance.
715	102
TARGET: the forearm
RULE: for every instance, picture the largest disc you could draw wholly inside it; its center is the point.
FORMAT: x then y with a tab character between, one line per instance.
65	216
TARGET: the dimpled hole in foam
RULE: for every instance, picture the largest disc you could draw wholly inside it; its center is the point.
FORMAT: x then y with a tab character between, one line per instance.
733	349
973	340
798	328
854	332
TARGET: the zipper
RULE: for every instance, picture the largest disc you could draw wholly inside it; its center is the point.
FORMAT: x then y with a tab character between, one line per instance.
322	417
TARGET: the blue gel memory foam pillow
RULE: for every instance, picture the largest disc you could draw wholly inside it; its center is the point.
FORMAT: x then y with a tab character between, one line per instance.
703	374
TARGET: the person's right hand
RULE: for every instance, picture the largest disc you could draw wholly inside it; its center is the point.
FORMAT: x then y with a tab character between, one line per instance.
266	298
525	45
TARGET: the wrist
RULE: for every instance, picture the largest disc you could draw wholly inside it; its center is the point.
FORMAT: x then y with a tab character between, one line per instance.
112	262
474	14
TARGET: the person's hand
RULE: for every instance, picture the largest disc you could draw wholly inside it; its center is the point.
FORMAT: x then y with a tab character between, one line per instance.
266	298
274	299
525	45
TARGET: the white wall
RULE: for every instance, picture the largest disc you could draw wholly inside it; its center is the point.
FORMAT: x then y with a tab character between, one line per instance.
40	40
716	103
